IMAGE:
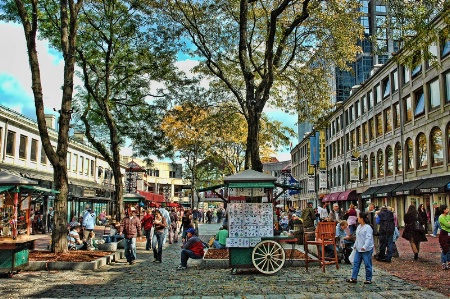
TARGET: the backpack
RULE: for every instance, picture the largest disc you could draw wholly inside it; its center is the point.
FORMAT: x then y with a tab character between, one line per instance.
387	224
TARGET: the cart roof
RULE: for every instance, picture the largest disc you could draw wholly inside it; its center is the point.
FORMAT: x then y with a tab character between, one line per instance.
8	179
249	175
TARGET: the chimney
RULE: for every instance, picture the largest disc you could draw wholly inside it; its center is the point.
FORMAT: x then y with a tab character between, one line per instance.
354	89
50	121
375	69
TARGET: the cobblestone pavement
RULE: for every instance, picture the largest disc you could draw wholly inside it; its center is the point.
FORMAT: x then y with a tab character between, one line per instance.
146	279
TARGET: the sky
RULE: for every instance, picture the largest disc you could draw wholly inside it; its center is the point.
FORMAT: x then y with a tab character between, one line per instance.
15	79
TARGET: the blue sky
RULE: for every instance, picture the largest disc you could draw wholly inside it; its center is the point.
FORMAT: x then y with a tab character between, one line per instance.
15	78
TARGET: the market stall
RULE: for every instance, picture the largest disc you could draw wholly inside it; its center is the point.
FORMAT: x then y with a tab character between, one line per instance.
251	220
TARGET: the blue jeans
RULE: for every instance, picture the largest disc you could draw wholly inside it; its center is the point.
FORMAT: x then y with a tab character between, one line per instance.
367	258
186	254
130	249
158	238
386	242
437	226
148	244
218	245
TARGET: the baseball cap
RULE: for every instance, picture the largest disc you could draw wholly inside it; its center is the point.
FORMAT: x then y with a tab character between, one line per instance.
133	209
190	230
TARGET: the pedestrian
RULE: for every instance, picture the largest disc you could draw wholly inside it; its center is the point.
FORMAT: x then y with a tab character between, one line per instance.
159	225
335	214
444	220
371	214
352	218
173	230
363	249
102	217
88	222
308	216
220	240
386	230
186	223
147	224
166	215
414	231
74	242
50	216
323	212
424	215
437	225
195	217
193	248
131	229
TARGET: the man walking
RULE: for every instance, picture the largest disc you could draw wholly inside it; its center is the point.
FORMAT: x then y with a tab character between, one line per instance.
308	216
131	229
50	216
335	214
386	232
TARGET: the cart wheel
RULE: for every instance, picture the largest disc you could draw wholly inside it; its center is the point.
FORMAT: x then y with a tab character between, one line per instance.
268	257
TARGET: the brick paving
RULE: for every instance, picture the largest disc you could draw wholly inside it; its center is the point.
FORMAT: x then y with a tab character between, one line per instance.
146	279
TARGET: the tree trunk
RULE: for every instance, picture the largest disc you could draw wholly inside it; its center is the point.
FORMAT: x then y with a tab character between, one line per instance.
59	233
252	151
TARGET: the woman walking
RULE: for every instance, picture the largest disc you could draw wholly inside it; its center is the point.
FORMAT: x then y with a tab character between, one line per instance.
444	221
414	230
159	224
352	218
423	214
363	249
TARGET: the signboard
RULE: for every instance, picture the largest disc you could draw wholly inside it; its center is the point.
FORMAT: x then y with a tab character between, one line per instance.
246	192
354	170
25	204
89	193
248	222
311	184
322	179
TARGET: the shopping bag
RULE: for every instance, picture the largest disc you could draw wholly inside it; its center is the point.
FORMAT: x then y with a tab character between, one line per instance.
351	258
211	241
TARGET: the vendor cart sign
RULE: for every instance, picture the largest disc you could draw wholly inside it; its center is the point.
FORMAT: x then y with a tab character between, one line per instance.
246	191
249	220
25	204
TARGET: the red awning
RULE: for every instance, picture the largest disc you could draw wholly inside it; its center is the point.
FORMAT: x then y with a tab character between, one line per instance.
347	195
331	197
152	196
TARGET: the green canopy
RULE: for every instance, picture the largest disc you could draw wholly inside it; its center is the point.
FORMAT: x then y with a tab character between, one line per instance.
5	188
39	189
252	185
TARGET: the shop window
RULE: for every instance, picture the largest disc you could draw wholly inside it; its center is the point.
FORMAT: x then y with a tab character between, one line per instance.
379	124
386	87
437	147
11	143
409	155
33	150
422	152
23	147
373	166
435	95
396	115
398	158
408	109
388	120
380	162
43	156
389	161
419	108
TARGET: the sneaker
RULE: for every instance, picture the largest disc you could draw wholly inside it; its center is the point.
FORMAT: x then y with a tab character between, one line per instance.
444	266
181	268
433	235
155	260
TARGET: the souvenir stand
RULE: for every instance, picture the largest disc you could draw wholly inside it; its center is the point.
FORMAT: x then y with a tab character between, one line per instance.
15	209
251	214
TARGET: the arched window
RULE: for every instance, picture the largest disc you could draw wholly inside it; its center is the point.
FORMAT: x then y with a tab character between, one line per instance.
380	163
372	166
409	155
422	152
389	160
398	158
437	147
365	165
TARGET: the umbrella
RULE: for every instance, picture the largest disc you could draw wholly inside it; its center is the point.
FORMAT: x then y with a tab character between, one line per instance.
8	179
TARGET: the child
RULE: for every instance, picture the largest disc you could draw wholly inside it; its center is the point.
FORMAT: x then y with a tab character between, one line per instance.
91	242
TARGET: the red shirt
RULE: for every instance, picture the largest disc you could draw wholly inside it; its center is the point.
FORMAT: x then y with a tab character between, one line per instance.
147	221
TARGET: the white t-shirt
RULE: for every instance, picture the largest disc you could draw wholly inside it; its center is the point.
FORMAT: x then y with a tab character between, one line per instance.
323	213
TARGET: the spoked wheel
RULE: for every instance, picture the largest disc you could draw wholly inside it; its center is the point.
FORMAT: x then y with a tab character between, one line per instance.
268	257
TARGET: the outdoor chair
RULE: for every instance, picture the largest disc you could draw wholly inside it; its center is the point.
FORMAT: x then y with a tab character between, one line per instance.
325	234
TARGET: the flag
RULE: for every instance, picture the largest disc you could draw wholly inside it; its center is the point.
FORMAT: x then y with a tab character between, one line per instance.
295	183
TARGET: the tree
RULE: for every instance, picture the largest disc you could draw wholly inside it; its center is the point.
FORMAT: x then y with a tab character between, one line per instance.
269	52
66	21
122	53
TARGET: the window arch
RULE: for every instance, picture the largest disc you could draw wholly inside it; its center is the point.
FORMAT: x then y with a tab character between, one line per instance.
365	165
389	161
380	163
398	158
422	151
409	154
437	147
372	166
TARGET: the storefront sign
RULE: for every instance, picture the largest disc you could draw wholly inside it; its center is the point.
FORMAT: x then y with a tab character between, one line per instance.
322	179
89	193
25	204
430	190
354	170
311	184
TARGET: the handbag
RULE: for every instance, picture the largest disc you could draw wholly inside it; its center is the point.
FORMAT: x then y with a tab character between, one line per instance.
418	227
